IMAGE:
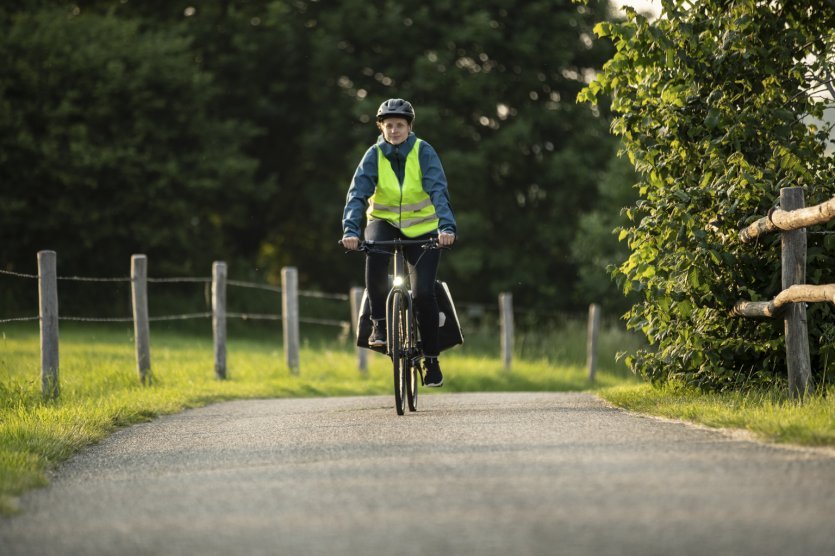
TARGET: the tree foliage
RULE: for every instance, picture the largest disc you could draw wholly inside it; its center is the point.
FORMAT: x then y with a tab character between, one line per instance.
108	146
713	102
230	130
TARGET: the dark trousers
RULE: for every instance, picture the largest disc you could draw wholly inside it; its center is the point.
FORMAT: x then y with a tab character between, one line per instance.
423	269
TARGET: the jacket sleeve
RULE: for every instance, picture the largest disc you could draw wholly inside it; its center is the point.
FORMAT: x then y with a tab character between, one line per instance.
362	187
435	185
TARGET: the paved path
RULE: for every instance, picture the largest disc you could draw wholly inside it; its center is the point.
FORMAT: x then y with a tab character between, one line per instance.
487	474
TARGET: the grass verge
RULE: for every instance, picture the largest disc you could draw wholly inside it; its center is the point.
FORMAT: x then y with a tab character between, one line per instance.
100	390
769	415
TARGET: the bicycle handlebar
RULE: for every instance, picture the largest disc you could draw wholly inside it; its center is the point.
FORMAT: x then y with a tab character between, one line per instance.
431	243
428	242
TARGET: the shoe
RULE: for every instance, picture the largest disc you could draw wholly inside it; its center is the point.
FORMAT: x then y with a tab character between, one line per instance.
433	377
378	333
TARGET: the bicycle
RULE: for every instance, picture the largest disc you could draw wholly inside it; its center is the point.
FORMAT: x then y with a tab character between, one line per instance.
403	345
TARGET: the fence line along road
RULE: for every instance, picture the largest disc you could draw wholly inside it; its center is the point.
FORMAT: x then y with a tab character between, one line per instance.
791	220
49	317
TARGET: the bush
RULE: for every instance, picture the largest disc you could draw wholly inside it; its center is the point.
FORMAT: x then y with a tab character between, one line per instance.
711	111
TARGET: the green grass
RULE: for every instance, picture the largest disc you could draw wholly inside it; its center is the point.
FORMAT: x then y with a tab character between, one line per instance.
100	390
769	415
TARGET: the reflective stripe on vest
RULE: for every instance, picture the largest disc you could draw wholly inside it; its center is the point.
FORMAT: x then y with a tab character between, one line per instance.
406	207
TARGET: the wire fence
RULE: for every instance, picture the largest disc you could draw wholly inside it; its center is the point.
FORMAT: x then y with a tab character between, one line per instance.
472	308
187	316
49	317
290	318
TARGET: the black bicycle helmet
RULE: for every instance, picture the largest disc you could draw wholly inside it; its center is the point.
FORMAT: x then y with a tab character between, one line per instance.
396	108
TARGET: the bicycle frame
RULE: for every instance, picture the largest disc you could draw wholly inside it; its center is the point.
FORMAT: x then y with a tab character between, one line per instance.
399	285
402	332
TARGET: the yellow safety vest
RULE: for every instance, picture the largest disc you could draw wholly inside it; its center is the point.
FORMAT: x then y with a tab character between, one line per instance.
407	207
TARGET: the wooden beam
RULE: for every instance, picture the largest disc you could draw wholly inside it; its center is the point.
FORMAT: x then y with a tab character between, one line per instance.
755	309
290	316
141	322
800	293
787	220
48	304
219	317
506	328
793	264
805	293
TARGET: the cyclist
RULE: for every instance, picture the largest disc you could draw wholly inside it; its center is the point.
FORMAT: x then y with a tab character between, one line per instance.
401	187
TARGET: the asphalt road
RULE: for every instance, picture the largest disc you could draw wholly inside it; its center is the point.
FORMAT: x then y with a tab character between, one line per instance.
540	473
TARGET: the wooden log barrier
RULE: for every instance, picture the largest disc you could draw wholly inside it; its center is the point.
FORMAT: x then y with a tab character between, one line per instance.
799	293
787	220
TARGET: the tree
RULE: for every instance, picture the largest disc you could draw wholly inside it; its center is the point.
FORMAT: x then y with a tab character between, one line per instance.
109	146
712	112
494	85
596	249
283	95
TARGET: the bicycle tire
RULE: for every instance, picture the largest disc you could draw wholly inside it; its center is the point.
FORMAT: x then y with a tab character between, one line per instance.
412	382
412	368
398	353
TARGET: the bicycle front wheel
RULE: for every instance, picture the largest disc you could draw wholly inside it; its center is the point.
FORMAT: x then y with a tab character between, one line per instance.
412	365
399	357
412	381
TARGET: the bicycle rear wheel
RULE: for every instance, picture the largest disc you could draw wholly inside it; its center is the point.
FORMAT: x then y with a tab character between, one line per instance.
399	358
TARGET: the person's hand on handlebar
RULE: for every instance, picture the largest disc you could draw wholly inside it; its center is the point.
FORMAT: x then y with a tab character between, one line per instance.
350	243
446	239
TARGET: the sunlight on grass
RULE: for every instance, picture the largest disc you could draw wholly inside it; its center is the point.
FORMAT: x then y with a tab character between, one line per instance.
767	414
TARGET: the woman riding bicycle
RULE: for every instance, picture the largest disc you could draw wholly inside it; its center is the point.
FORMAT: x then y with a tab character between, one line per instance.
401	187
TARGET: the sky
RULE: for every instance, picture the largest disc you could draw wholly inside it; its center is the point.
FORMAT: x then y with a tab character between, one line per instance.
652	6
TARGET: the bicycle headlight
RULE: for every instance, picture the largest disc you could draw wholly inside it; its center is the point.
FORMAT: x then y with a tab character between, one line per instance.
398	281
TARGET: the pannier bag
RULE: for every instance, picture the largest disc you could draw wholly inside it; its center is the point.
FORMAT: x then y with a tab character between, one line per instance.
449	327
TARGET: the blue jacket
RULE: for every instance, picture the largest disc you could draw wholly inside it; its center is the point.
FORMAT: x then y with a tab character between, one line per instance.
364	183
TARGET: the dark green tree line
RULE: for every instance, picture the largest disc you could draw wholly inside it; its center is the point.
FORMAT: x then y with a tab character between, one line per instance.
230	130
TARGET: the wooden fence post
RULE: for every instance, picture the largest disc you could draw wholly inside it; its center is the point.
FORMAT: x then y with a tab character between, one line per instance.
219	317
506	328
356	305
48	309
793	259
141	326
290	317
591	339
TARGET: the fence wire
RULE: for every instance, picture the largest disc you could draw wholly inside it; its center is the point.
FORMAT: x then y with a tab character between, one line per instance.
202	280
18	274
182	317
326	322
88	279
18	319
253	316
190	280
323	295
95	319
242	284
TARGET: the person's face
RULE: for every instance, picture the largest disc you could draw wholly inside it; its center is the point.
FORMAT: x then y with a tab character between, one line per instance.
395	130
